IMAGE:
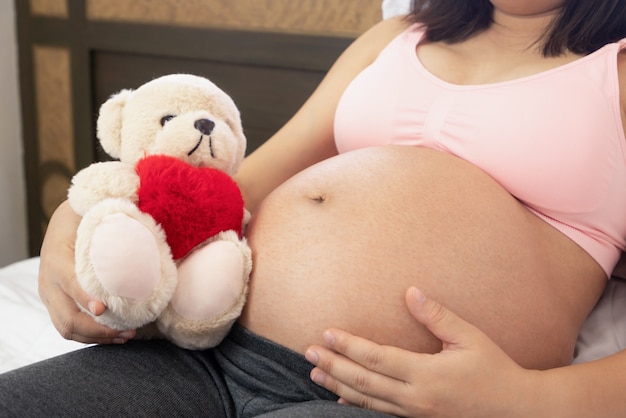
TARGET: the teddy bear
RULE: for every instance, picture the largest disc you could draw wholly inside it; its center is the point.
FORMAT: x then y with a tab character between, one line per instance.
161	240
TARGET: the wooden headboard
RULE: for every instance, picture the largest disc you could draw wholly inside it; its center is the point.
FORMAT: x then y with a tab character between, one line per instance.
267	54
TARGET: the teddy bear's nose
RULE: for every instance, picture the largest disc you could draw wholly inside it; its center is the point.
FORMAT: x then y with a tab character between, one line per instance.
205	126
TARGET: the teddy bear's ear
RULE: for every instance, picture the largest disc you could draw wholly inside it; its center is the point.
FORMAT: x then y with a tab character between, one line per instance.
109	129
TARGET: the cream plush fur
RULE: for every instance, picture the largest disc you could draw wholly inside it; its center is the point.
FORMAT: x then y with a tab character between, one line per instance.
122	255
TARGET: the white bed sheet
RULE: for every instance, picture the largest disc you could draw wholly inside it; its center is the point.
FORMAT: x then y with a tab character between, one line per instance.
27	334
604	331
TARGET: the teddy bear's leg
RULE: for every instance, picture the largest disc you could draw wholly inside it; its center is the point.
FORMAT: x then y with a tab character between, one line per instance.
123	260
211	291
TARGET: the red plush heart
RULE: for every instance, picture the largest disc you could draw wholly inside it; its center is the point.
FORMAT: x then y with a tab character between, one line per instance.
191	204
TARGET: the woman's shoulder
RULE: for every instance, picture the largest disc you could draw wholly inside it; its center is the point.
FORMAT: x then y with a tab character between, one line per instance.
392	26
365	49
380	35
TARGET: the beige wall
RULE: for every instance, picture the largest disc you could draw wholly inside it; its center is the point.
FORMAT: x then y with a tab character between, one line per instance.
13	245
320	17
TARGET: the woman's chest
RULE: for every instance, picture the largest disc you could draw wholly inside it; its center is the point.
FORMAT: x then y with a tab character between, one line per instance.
551	141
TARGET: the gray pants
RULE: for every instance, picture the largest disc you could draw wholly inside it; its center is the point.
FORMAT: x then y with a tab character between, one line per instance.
246	376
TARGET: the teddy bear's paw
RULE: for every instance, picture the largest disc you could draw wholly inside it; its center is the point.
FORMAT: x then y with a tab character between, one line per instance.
210	279
211	292
120	260
198	335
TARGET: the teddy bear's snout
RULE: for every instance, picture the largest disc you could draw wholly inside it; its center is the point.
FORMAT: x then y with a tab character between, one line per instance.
205	126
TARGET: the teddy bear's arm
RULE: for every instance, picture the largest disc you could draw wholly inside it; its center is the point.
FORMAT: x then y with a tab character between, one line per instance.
99	181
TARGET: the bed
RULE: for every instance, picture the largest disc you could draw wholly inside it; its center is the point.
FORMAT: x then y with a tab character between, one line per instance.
27	332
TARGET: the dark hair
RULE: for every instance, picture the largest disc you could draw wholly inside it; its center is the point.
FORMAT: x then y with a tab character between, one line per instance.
582	26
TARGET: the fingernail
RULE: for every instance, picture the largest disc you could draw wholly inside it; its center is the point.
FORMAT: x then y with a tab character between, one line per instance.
119	341
91	305
329	338
311	356
128	334
317	376
418	295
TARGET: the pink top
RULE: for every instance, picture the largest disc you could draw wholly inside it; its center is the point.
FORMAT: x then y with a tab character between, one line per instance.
554	140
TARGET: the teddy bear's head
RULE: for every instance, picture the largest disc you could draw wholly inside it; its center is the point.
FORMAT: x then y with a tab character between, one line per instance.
180	115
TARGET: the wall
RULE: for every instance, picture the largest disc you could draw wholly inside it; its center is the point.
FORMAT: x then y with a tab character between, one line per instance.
13	245
320	17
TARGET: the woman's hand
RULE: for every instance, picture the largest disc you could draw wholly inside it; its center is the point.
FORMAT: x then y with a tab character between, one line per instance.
471	376
60	291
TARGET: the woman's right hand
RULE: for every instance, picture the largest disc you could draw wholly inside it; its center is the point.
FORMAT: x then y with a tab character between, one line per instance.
59	289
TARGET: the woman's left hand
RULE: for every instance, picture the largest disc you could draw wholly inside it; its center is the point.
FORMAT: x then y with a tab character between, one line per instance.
471	376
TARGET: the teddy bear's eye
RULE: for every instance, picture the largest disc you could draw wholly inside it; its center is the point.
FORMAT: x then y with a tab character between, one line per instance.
166	119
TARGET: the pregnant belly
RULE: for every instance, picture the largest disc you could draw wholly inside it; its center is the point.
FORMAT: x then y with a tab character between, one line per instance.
339	244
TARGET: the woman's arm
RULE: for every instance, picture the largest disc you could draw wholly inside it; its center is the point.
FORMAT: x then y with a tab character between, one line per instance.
470	377
585	390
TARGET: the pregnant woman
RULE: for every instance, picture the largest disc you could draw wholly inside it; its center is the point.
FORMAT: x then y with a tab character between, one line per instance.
474	165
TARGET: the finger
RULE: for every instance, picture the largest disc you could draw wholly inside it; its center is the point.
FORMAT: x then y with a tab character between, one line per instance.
74	324
70	321
351	373
84	329
350	396
362	372
443	323
383	359
70	286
